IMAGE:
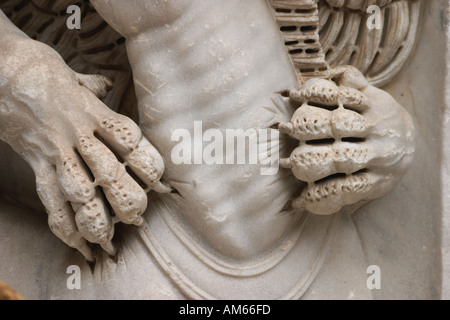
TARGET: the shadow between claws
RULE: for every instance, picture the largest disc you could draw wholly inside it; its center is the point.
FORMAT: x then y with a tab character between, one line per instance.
91	265
353	139
321	141
339	175
353	109
109	146
323	106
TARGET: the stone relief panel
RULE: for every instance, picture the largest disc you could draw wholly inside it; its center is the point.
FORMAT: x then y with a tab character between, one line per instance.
219	149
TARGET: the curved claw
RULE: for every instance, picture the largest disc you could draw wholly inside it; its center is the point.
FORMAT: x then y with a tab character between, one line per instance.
109	247
159	187
286	163
286	127
139	222
86	251
98	84
349	76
